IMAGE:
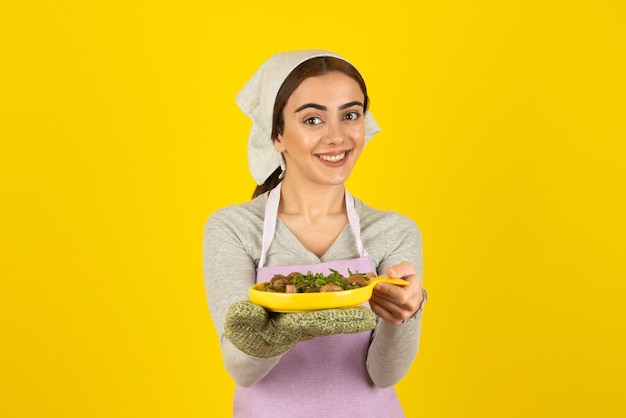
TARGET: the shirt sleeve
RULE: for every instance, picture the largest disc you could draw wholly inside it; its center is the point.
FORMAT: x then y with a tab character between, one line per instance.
394	347
229	270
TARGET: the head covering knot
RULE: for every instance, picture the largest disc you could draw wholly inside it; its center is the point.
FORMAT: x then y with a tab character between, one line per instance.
256	99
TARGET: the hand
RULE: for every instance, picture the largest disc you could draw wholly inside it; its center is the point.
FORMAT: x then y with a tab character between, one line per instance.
264	334
394	303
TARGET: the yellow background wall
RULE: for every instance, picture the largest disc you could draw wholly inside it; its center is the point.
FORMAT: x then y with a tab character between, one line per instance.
503	137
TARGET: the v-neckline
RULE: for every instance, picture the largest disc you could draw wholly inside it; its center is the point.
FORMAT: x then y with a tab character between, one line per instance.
272	219
296	243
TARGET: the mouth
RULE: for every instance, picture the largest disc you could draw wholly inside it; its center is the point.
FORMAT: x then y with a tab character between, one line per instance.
333	158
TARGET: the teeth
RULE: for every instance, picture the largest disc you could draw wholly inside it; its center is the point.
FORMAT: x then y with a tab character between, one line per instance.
333	158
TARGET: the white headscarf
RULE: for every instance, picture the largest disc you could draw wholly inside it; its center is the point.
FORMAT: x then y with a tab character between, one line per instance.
257	98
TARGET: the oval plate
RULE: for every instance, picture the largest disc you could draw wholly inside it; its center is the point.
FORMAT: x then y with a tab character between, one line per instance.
301	302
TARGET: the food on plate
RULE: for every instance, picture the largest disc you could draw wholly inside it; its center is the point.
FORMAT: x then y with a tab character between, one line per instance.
319	282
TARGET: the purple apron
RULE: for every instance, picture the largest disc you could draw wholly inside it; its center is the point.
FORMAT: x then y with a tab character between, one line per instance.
325	377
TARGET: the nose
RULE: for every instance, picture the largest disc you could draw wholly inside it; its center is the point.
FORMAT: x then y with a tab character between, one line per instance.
333	134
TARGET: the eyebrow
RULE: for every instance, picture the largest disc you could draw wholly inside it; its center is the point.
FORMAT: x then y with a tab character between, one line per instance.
324	108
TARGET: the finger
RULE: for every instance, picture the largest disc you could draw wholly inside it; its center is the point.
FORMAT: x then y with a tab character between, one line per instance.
403	296
401	271
407	297
389	291
386	310
398	304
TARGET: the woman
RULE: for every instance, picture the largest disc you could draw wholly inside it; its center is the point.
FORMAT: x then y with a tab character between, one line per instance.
310	123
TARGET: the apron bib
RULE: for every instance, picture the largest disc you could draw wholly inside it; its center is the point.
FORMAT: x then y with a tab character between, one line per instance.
325	377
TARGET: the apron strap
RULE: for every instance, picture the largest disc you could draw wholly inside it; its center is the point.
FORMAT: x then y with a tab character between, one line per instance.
269	223
271	214
355	223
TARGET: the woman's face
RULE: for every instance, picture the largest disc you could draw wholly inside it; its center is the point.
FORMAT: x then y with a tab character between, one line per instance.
324	130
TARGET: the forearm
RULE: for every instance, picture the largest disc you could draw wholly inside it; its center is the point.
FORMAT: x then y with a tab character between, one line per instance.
229	270
244	369
393	350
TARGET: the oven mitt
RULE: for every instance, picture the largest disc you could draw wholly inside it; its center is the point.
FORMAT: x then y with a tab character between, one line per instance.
264	334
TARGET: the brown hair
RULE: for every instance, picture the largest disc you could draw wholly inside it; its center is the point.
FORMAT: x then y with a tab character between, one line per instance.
312	67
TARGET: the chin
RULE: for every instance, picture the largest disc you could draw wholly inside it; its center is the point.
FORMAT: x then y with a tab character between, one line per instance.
334	181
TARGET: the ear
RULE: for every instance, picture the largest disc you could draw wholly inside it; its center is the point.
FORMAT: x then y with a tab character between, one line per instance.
279	145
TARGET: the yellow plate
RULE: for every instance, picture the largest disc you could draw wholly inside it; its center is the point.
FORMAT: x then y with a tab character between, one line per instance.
300	302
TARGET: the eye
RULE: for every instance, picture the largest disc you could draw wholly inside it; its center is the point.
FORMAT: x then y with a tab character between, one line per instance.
352	116
312	121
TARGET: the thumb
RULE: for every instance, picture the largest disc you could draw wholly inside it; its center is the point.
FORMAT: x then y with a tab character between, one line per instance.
246	313
401	270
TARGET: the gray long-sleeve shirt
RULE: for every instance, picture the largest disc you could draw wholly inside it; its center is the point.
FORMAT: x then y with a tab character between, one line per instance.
232	248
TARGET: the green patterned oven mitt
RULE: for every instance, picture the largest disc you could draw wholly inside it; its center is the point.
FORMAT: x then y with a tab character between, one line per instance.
264	334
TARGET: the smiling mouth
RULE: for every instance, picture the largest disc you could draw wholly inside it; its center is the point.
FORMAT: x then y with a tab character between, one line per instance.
333	158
